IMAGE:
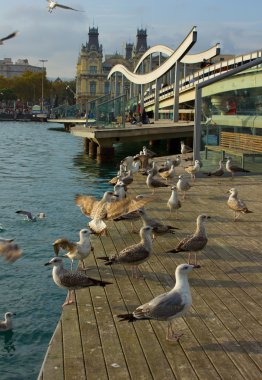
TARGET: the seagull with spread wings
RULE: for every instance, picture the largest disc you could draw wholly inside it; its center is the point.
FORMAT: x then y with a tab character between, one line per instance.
108	208
53	4
9	250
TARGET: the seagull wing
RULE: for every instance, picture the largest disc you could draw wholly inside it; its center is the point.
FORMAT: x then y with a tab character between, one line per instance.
125	206
12	35
162	307
63	244
86	203
27	213
66	7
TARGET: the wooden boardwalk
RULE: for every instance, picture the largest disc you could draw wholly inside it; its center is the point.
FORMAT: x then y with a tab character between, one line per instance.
222	332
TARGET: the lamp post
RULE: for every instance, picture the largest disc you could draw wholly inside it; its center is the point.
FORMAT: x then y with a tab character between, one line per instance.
42	98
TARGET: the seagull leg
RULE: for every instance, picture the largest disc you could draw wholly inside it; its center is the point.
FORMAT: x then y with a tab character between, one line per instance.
171	335
195	258
72	263
189	257
68	300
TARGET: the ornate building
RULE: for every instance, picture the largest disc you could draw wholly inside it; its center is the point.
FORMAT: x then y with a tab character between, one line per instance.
92	70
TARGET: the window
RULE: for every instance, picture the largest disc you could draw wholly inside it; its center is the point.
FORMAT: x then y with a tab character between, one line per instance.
92	69
92	88
107	88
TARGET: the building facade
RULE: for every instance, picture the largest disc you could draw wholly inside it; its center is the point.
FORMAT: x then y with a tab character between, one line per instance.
9	69
92	68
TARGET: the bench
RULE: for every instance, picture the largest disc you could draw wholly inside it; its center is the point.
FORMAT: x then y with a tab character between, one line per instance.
237	144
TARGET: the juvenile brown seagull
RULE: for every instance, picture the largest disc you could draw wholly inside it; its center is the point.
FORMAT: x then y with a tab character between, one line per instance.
77	251
167	306
71	280
237	205
195	242
135	254
9	250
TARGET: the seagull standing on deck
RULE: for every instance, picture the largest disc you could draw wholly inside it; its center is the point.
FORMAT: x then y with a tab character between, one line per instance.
154	183
167	306
183	185
158	227
185	149
135	254
173	202
219	172
193	169
77	251
233	168
71	280
53	4
237	205
195	242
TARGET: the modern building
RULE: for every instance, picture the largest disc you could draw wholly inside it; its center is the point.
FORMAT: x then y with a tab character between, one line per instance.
92	68
9	69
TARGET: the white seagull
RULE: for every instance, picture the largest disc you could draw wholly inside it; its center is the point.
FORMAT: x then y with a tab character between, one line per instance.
76	251
6	324
167	306
53	4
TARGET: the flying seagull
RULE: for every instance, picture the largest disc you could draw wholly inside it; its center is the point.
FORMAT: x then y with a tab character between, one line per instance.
237	205
76	251
167	306
71	280
12	35
6	324
29	215
9	250
53	4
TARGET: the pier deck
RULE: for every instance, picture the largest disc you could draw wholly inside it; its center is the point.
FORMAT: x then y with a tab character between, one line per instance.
222	332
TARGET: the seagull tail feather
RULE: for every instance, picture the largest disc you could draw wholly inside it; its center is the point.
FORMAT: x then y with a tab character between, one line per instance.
100	282
126	317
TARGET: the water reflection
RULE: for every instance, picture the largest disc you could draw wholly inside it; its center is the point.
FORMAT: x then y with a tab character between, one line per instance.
8	342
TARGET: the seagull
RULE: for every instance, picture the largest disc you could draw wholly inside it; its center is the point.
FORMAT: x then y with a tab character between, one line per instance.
148	152
195	242
185	149
12	35
183	185
107	208
134	254
219	172
237	205
154	183
6	324
53	4
128	179
79	250
168	174
233	168
193	169
120	190
167	306
173	202
71	280
158	227
29	215
9	250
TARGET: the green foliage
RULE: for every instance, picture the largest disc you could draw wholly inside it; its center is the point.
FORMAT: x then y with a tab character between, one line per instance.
28	89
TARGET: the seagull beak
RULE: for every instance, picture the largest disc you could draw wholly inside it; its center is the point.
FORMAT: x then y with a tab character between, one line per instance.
208	217
47	263
196	266
227	192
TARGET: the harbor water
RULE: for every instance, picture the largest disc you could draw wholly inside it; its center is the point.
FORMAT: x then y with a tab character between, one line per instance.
41	170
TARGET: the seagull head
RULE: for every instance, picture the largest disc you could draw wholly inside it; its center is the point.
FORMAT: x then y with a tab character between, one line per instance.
173	187
9	315
85	232
55	262
232	191
184	269
203	217
145	230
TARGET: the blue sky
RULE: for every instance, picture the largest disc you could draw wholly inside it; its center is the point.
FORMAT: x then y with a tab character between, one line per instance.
58	37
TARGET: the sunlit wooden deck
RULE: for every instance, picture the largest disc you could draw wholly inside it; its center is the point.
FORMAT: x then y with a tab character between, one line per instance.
222	332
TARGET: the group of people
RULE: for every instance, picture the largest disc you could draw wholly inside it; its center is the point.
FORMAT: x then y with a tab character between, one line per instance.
138	117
